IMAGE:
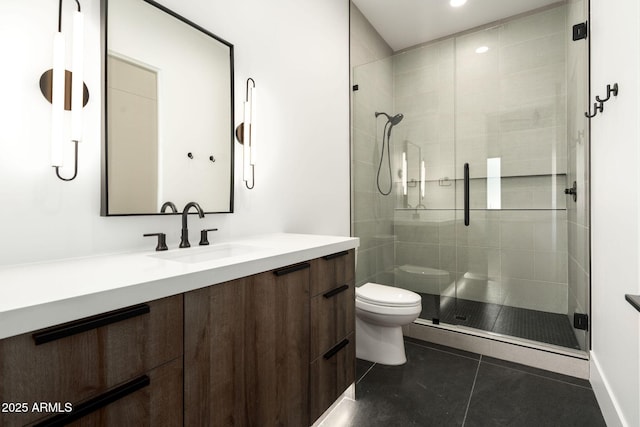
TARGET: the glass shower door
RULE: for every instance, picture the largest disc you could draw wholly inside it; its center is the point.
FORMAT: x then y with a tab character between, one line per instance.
424	143
505	104
511	170
373	212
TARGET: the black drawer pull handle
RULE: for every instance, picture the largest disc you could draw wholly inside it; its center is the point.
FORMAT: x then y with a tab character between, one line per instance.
336	291
342	344
96	403
292	269
336	255
84	325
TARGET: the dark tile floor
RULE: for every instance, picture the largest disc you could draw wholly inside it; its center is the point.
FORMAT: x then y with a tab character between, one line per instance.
441	386
550	328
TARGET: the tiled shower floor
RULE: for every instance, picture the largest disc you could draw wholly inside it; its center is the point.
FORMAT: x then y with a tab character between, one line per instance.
441	386
550	328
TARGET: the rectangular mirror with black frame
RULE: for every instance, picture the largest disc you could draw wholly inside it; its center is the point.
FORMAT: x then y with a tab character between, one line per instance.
167	112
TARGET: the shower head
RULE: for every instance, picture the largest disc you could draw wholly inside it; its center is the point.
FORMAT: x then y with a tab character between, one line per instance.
386	140
396	119
393	120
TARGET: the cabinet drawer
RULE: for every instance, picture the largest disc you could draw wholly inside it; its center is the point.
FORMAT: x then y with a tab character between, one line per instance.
82	359
332	318
152	399
331	271
331	374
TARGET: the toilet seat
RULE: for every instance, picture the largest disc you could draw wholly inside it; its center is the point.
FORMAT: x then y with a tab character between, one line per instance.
373	294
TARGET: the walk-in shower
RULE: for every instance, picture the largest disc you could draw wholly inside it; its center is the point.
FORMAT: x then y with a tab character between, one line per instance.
474	215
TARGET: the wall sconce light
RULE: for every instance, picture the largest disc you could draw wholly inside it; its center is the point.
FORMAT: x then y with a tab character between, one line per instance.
457	3
404	173
66	90
423	179
246	135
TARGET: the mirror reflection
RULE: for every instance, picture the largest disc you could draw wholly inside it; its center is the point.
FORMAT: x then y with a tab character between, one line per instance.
168	112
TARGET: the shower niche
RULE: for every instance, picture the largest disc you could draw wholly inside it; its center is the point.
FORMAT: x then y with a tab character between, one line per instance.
507	99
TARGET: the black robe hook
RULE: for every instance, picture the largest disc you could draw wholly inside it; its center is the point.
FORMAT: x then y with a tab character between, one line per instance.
597	107
610	91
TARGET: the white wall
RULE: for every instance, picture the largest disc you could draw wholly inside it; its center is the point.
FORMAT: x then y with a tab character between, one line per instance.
615	210
297	52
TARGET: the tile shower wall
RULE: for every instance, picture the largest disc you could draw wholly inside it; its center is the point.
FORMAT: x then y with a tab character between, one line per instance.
372	213
423	81
509	103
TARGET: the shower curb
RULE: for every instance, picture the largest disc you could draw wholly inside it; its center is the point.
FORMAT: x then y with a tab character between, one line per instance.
567	362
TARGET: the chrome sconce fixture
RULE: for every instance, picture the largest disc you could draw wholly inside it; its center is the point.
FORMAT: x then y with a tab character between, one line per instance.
66	90
246	135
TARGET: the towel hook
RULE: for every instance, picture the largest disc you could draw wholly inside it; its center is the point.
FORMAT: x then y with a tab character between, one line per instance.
597	107
610	91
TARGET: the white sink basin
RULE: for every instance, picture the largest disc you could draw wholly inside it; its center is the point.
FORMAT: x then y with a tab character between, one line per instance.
206	253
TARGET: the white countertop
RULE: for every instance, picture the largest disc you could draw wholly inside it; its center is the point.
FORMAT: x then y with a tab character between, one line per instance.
39	295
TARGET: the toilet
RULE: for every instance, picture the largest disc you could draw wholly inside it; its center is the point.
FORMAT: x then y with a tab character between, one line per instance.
381	311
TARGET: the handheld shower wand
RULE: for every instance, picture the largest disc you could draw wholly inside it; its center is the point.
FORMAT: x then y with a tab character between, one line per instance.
391	122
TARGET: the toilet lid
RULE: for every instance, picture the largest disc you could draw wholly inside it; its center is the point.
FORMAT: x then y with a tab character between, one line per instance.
386	295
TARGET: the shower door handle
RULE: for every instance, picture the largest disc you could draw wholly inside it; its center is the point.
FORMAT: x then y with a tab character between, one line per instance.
466	194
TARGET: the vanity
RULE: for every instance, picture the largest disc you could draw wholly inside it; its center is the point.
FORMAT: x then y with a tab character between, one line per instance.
258	331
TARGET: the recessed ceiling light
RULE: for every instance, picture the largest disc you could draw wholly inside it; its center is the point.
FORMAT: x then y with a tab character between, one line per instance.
482	49
457	3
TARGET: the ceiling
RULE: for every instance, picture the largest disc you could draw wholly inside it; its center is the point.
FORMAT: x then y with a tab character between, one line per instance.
405	23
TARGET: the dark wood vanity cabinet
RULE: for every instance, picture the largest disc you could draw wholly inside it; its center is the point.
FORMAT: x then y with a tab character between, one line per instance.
247	351
332	301
332	334
87	360
255	348
277	347
154	399
272	349
214	355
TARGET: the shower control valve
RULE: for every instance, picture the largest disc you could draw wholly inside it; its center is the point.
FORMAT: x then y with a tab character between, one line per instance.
573	191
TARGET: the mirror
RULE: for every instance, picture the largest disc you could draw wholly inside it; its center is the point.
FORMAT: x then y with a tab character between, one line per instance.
167	113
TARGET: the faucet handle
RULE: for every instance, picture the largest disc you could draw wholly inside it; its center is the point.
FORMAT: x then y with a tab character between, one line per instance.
203	236
162	240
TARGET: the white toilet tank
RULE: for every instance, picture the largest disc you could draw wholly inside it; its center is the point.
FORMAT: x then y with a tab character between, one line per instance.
425	280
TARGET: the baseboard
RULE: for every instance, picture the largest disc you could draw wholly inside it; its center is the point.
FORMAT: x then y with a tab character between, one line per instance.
570	363
346	399
608	405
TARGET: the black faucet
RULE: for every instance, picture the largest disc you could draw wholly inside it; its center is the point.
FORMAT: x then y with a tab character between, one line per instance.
169	205
184	237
